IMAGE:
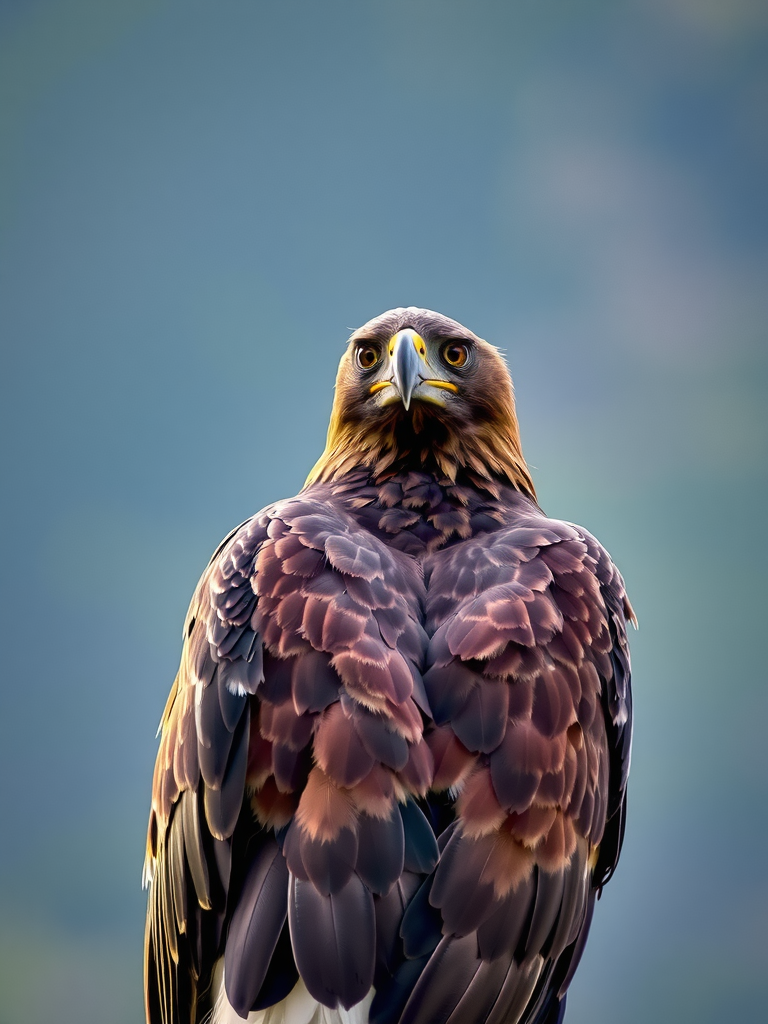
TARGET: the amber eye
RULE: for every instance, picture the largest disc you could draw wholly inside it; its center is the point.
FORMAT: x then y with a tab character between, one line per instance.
455	353
366	356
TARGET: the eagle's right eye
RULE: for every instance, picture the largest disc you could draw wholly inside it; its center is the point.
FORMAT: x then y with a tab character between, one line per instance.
366	356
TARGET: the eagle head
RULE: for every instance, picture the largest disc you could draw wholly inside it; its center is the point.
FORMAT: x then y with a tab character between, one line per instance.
418	390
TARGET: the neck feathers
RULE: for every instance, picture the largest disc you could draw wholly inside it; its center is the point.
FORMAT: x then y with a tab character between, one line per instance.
489	451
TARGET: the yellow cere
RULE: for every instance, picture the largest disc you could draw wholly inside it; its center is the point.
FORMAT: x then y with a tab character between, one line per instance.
378	385
445	384
418	342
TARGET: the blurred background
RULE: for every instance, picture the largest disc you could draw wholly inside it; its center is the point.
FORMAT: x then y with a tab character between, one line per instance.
199	202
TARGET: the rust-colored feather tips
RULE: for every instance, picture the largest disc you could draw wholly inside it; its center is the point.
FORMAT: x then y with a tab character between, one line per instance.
392	770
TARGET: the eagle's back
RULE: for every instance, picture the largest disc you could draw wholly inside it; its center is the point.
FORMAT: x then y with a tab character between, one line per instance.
394	758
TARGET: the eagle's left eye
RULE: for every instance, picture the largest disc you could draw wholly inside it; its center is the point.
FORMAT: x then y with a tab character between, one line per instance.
366	356
455	353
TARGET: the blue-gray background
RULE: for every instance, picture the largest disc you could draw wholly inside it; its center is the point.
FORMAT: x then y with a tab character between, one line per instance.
199	200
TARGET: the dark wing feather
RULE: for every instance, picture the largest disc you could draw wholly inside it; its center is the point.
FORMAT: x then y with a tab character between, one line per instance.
444	982
334	940
256	926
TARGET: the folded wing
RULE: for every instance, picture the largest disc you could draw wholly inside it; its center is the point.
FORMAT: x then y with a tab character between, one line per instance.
528	680
291	752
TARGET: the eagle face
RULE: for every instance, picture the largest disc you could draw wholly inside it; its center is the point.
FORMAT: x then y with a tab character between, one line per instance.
408	360
392	771
411	368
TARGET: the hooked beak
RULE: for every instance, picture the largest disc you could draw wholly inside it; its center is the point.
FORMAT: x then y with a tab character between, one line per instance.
408	352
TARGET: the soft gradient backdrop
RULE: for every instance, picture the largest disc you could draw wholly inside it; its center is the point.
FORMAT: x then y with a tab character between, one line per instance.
199	201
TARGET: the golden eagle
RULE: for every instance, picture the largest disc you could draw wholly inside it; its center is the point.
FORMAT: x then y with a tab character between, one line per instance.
393	764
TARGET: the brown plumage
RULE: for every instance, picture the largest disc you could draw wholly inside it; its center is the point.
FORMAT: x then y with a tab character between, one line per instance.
392	770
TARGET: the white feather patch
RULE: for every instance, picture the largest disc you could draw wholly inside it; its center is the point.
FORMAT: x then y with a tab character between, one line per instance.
298	1007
